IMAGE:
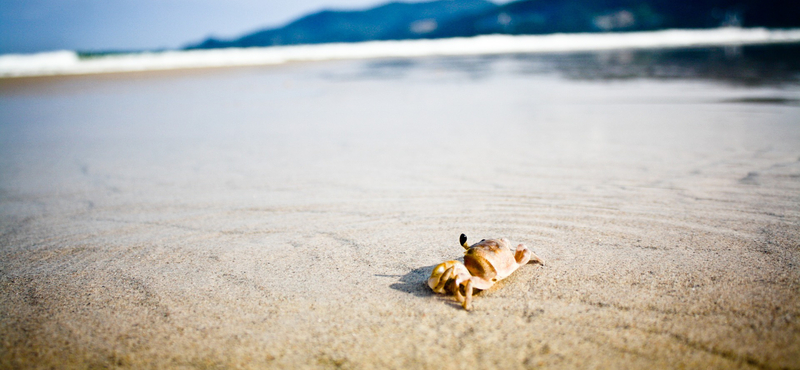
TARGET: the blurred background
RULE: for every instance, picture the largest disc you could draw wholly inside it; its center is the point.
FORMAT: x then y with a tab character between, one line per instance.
28	26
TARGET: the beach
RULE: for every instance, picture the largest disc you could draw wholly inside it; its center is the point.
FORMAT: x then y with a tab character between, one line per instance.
288	216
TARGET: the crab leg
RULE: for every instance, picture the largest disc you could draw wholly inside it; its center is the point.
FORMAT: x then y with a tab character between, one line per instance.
459	296
536	259
468	300
522	255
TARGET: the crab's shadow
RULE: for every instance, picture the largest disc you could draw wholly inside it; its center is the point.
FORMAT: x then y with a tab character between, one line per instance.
414	282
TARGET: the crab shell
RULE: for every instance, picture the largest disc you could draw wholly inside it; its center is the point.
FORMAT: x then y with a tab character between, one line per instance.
492	260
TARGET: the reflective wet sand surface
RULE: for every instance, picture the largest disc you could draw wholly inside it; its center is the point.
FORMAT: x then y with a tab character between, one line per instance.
288	217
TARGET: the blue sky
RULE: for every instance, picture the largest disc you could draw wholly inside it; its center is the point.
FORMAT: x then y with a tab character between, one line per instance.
28	26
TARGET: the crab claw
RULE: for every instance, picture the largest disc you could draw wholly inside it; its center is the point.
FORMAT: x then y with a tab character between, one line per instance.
437	283
445	271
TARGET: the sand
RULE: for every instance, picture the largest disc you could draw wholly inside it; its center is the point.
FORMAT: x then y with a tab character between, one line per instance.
288	217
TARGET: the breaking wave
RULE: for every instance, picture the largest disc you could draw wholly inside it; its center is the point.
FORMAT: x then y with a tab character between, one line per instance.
70	63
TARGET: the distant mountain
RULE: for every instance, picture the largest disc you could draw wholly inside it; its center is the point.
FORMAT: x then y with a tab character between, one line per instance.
392	21
460	18
555	16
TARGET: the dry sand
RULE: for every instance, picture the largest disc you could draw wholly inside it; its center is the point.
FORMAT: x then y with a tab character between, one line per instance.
288	218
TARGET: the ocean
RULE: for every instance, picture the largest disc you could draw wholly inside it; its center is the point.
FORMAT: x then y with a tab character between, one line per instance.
71	62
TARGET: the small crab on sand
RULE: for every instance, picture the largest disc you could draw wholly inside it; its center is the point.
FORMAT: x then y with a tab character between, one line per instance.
485	263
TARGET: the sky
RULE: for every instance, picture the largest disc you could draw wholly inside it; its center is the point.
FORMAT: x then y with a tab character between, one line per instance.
29	26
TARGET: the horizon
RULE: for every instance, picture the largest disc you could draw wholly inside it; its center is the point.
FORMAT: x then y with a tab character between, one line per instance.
36	26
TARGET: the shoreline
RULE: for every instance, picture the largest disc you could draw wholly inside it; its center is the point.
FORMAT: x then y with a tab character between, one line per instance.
68	63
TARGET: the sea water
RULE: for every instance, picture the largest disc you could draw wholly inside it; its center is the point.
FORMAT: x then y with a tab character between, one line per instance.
291	133
70	62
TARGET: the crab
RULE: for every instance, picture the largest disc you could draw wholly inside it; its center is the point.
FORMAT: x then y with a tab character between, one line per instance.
485	263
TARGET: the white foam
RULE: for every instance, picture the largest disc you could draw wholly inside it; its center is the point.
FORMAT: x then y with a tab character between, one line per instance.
68	62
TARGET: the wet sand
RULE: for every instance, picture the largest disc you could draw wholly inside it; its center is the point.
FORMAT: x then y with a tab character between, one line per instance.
288	217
